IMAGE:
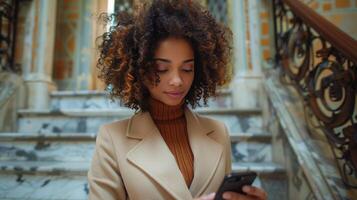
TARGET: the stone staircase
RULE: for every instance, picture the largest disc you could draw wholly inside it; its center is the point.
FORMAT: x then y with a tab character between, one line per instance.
48	157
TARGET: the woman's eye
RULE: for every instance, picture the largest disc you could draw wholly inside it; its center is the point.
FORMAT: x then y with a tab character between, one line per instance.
161	70
187	69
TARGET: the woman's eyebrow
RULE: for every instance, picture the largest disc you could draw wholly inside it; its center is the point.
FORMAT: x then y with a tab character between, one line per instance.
162	60
188	60
169	61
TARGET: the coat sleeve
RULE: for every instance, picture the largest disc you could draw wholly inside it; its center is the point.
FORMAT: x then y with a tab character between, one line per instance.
104	177
228	151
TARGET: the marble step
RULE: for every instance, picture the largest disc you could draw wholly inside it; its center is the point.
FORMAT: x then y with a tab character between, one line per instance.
10	137
44	167
119	112
89	120
251	148
79	147
81	168
43	187
262	168
86	99
74	187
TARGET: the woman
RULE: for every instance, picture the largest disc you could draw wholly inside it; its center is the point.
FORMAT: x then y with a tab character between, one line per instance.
168	54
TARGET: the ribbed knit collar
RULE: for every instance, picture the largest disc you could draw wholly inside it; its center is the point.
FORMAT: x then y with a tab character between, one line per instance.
160	111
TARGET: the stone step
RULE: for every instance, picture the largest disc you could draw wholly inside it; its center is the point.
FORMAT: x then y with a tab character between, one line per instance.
79	147
81	168
82	99
119	112
262	168
44	167
251	148
102	93
89	120
73	187
86	99
43	187
9	137
22	137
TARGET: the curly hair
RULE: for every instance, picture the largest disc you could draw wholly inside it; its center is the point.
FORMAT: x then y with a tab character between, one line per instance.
127	50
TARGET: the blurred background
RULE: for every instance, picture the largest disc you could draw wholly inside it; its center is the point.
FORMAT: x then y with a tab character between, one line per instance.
290	108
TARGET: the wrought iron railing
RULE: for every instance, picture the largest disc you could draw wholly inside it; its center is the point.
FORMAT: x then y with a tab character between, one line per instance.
8	23
321	61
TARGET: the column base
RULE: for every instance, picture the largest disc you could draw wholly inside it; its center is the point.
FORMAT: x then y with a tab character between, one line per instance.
38	91
247	91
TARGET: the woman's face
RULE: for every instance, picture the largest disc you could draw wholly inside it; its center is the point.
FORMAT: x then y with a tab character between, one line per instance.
174	62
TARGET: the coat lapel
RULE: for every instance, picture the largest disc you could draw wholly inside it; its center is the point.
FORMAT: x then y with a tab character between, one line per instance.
207	153
152	156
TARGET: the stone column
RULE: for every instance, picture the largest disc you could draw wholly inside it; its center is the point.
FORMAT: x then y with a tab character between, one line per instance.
237	19
38	52
246	82
99	6
255	35
84	53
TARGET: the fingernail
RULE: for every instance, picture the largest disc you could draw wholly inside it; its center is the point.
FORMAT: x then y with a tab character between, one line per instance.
227	195
208	196
212	194
246	189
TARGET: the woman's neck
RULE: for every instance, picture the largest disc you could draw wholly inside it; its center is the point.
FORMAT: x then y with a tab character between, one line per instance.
161	111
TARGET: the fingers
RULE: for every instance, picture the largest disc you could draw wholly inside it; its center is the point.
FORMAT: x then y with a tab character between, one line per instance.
207	197
252	193
255	192
236	196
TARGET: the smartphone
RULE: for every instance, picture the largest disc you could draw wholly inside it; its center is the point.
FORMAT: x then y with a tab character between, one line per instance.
234	182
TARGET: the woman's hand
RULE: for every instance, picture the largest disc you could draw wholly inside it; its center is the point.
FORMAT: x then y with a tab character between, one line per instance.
252	193
207	197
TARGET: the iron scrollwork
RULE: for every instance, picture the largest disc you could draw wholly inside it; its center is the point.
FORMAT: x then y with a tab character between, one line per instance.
329	87
8	19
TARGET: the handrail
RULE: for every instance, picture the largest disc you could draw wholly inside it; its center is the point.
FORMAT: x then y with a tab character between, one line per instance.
325	76
342	41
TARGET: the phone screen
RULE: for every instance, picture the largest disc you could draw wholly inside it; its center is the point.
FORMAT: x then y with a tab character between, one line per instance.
234	182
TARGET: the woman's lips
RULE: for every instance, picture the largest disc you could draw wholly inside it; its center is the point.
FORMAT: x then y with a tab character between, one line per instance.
174	94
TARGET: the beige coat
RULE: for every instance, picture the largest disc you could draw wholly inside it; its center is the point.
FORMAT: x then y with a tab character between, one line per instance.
132	161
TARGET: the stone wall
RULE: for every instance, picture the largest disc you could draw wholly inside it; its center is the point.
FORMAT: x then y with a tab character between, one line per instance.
341	13
67	25
74	56
74	44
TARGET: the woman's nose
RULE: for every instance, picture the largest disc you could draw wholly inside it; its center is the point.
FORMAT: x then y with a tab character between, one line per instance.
176	79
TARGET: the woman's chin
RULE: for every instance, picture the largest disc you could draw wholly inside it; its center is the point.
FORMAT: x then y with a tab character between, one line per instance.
172	102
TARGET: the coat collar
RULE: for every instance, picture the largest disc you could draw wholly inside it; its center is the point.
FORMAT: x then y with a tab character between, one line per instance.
152	155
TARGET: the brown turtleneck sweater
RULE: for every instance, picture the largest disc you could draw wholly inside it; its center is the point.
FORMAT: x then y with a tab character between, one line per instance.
171	122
